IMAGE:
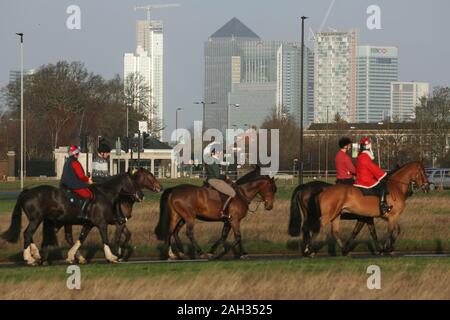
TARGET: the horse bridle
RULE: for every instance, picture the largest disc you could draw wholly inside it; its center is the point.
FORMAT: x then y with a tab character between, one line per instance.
249	201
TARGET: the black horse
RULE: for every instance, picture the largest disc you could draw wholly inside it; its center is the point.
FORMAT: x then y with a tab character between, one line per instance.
143	179
52	205
304	221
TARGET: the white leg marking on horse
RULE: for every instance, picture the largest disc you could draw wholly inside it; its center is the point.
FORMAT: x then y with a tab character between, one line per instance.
73	251
108	254
28	257
172	256
35	251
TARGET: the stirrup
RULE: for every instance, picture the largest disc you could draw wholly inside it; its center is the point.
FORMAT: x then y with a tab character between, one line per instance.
385	209
224	216
121	220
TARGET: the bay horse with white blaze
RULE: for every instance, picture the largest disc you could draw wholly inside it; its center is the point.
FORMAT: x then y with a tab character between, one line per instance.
185	203
338	199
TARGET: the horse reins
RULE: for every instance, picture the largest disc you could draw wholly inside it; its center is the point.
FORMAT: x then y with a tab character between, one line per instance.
242	195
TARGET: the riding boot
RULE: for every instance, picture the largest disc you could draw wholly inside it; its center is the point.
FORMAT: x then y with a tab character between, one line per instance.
224	215
384	207
83	211
120	217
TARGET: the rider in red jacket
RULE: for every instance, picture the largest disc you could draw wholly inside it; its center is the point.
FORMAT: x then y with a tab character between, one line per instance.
369	175
74	178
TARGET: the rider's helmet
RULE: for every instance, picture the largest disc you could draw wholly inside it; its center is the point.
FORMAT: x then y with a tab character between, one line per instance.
344	141
104	148
365	144
73	150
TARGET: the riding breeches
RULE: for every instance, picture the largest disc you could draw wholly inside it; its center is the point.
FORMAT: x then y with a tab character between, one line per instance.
84	193
380	188
222	187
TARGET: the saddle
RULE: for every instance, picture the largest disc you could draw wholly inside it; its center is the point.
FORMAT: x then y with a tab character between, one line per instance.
80	203
368	192
73	198
223	197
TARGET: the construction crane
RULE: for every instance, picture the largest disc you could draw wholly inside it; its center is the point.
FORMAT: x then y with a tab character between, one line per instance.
151	7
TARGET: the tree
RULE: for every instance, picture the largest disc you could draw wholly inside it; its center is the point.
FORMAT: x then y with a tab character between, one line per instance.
138	96
288	134
63	100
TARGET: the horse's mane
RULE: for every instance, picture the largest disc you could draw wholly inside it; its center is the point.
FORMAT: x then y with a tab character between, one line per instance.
113	180
250	177
398	168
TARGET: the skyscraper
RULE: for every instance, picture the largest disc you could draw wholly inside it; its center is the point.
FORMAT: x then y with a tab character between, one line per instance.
150	37
138	63
240	68
289	82
405	97
334	76
377	68
224	66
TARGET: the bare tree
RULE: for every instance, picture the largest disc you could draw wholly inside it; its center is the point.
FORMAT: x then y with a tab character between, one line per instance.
138	95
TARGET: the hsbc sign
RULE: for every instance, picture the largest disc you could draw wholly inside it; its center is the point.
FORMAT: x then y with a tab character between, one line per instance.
379	50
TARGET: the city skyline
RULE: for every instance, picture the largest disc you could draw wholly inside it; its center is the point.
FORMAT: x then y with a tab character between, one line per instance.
104	38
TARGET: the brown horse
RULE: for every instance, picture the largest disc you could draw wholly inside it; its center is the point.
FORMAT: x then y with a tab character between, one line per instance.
185	203
302	220
339	199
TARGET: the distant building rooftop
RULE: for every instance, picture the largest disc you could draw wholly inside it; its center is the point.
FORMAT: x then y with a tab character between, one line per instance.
235	28
364	126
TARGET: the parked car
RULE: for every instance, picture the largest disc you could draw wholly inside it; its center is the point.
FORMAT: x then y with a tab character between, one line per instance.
438	177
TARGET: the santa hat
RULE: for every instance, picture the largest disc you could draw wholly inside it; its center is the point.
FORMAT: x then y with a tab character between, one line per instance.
73	150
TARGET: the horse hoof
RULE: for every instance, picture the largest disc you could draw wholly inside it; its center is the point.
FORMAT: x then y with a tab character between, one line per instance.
204	256
32	263
113	259
82	260
69	261
244	257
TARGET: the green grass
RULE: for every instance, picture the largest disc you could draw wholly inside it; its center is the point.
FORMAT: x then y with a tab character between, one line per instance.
191	269
252	247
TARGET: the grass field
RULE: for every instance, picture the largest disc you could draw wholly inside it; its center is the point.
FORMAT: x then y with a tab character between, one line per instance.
304	278
425	227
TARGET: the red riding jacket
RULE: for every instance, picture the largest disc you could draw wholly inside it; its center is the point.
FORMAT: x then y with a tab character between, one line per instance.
368	174
344	166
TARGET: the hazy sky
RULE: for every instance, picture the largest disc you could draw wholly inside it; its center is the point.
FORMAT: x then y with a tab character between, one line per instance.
419	28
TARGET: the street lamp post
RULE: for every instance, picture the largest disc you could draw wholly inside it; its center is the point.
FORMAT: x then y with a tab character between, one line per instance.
176	120
228	113
203	103
21	110
300	162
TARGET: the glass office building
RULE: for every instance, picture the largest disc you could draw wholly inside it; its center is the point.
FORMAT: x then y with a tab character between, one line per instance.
241	69
377	69
333	81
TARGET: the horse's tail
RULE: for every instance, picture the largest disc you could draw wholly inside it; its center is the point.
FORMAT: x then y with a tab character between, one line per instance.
162	228
49	234
295	219
13	232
